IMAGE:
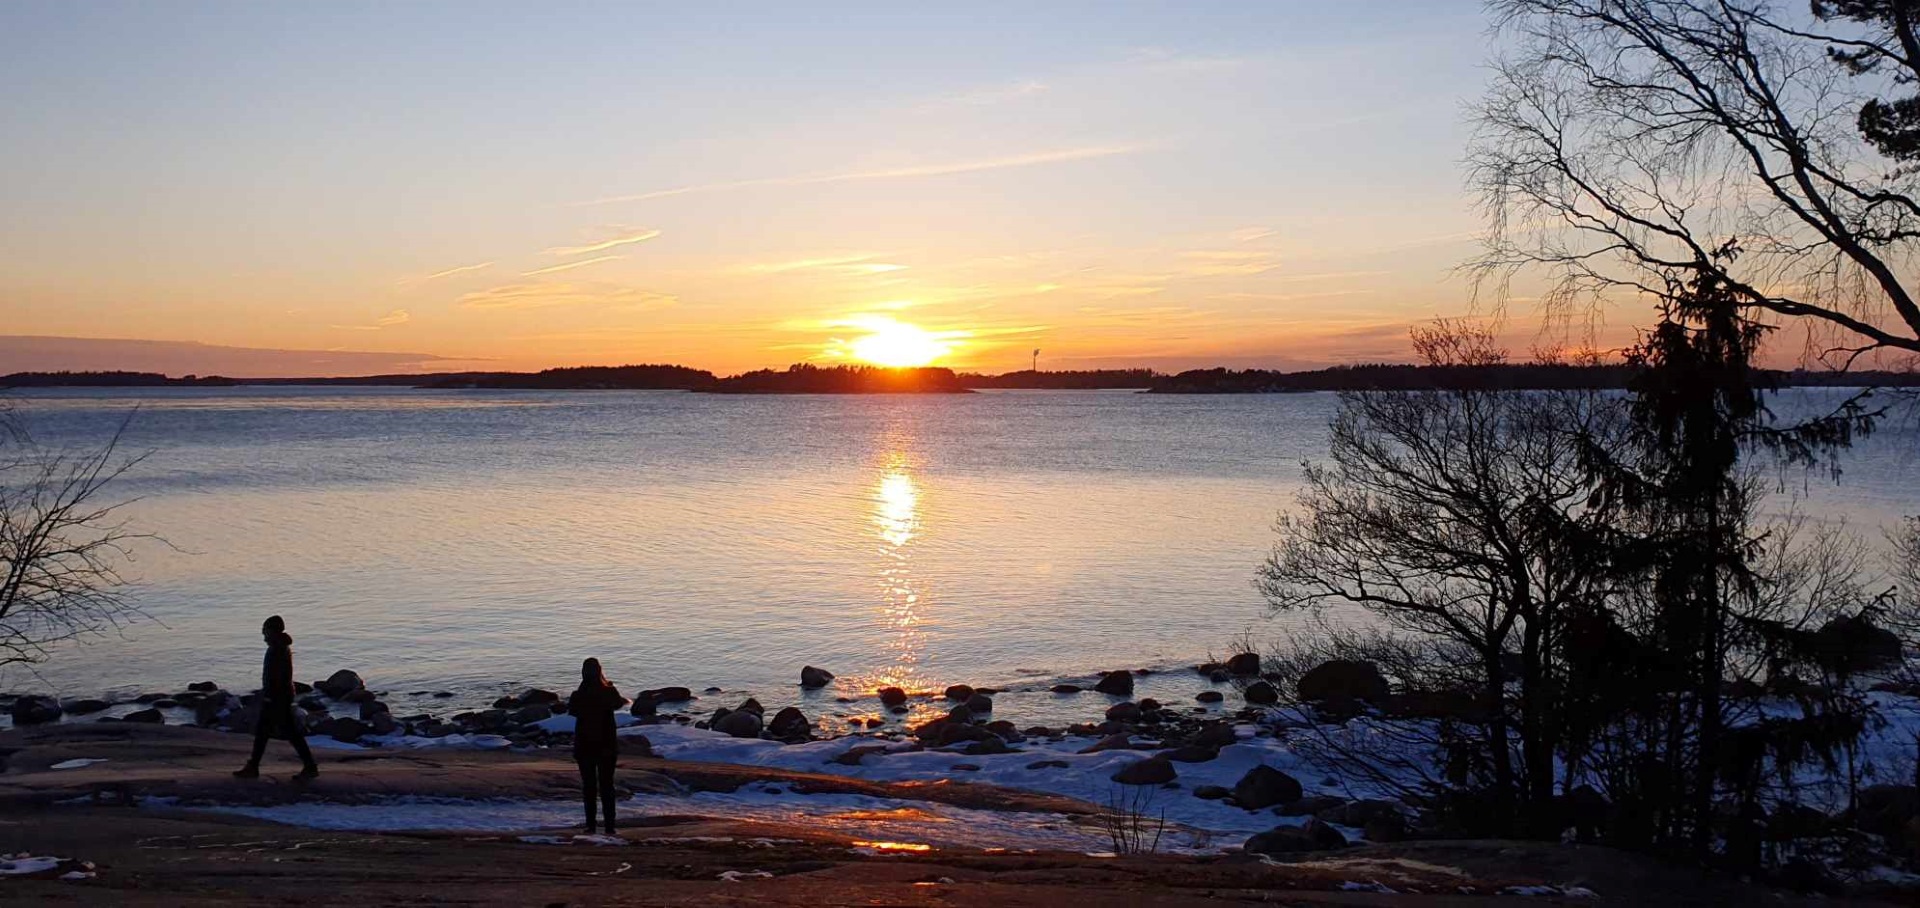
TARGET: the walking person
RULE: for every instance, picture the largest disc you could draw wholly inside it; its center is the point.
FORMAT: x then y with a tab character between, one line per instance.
595	747
277	712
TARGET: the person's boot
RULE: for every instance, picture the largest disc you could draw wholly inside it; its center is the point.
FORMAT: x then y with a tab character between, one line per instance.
306	773
249	771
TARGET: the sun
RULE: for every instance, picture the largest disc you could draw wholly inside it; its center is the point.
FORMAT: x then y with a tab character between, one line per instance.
898	345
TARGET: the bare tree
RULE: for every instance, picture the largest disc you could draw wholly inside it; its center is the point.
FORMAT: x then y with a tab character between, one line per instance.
1633	145
1452	516
62	544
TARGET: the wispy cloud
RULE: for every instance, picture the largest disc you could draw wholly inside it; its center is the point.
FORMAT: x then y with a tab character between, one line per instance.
549	295
569	266
994	94
462	269
396	317
922	170
845	264
625	236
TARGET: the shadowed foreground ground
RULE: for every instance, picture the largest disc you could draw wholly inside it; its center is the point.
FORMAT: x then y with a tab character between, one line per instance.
153	856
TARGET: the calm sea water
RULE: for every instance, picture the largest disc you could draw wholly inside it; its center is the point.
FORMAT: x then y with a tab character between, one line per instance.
483	541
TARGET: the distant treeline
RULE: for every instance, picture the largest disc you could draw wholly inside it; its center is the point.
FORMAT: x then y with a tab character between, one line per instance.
105	380
806	379
809	379
631	378
1509	376
1081	380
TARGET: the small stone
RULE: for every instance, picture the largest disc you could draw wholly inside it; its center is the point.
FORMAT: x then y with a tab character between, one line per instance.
1244	664
959	693
1067	688
1211	792
892	696
1210	696
1123	712
1260	693
149	716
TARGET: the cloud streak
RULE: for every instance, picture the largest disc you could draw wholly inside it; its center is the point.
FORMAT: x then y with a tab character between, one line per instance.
569	266
623	239
550	295
924	170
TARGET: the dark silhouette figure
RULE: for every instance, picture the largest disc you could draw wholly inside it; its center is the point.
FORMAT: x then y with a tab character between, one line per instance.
595	747
277	713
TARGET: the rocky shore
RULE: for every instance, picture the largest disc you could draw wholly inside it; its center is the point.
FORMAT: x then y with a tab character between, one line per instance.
1220	770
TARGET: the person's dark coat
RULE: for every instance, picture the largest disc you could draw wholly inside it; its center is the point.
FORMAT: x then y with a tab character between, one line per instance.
593	707
276	676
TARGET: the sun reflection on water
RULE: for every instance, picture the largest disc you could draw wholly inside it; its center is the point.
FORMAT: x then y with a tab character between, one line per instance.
896	507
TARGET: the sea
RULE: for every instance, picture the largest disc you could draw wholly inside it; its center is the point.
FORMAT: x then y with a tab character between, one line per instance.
476	543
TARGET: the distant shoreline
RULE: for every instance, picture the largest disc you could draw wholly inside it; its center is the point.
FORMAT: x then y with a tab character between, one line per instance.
808	379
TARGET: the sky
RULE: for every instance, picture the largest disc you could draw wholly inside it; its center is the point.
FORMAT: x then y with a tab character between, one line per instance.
403	186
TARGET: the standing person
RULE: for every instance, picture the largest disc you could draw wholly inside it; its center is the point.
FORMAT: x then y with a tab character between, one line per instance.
595	747
276	704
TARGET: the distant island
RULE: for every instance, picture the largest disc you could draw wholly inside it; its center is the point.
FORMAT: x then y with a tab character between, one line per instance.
806	379
810	379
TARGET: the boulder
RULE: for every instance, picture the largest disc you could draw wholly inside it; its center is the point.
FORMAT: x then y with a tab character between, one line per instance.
1309	805
83	707
219	705
149	716
959	693
980	703
525	715
791	724
892	696
1363	813
538	695
1854	643
1885	810
1343	680
1244	664
203	687
1218	734
1312	836
302	687
358	696
340	684
1110	742
34	709
811	677
672	694
752	705
1260	693
853	755
343	729
988	746
1067	688
960	713
1209	696
149	698
507	702
739	723
1123	712
1150	771
1007	731
1211	792
371	708
383	723
1191	754
1119	684
1263	786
